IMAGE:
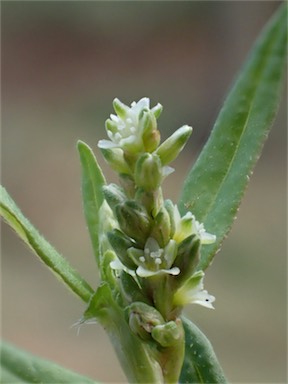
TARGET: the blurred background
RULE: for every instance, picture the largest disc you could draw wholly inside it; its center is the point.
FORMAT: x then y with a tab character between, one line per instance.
63	63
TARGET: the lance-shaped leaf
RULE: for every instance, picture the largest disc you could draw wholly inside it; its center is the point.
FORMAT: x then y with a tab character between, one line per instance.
21	367
215	186
92	195
56	262
200	362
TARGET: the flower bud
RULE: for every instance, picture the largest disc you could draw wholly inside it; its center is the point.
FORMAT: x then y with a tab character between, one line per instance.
120	108
134	221
115	159
188	257
137	327
107	222
120	243
151	135
170	209
161	229
167	334
151	140
170	148
130	289
143	318
111	127
114	195
152	201
148	172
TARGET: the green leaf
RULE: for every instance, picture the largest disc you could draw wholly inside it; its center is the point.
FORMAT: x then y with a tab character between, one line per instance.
200	362
21	367
57	263
215	185
92	195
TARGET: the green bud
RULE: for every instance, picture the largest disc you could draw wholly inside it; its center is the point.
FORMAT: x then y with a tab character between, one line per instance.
161	229
137	327
134	221
167	334
170	148
114	195
120	243
146	316
115	159
170	209
152	201
151	135
148	172
188	257
107	222
130	289
151	140
120	108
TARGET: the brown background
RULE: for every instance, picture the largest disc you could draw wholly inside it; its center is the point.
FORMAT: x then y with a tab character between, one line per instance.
63	63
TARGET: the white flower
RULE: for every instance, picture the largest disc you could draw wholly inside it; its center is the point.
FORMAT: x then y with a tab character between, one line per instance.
125	130
187	225
151	261
192	292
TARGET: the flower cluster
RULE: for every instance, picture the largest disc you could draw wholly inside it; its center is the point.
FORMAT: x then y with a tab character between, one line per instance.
151	241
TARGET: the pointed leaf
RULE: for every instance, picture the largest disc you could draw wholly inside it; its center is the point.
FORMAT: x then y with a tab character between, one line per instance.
92	183
215	185
200	362
21	367
29	234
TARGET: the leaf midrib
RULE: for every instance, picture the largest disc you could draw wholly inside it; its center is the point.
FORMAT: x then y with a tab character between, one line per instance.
258	80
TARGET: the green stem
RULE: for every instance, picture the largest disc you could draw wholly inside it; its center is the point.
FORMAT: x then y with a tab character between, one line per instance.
137	358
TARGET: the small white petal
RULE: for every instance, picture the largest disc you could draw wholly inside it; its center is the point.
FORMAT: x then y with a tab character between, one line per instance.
141	104
143	272
110	134
203	298
166	171
192	292
106	144
114	118
128	140
207	238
